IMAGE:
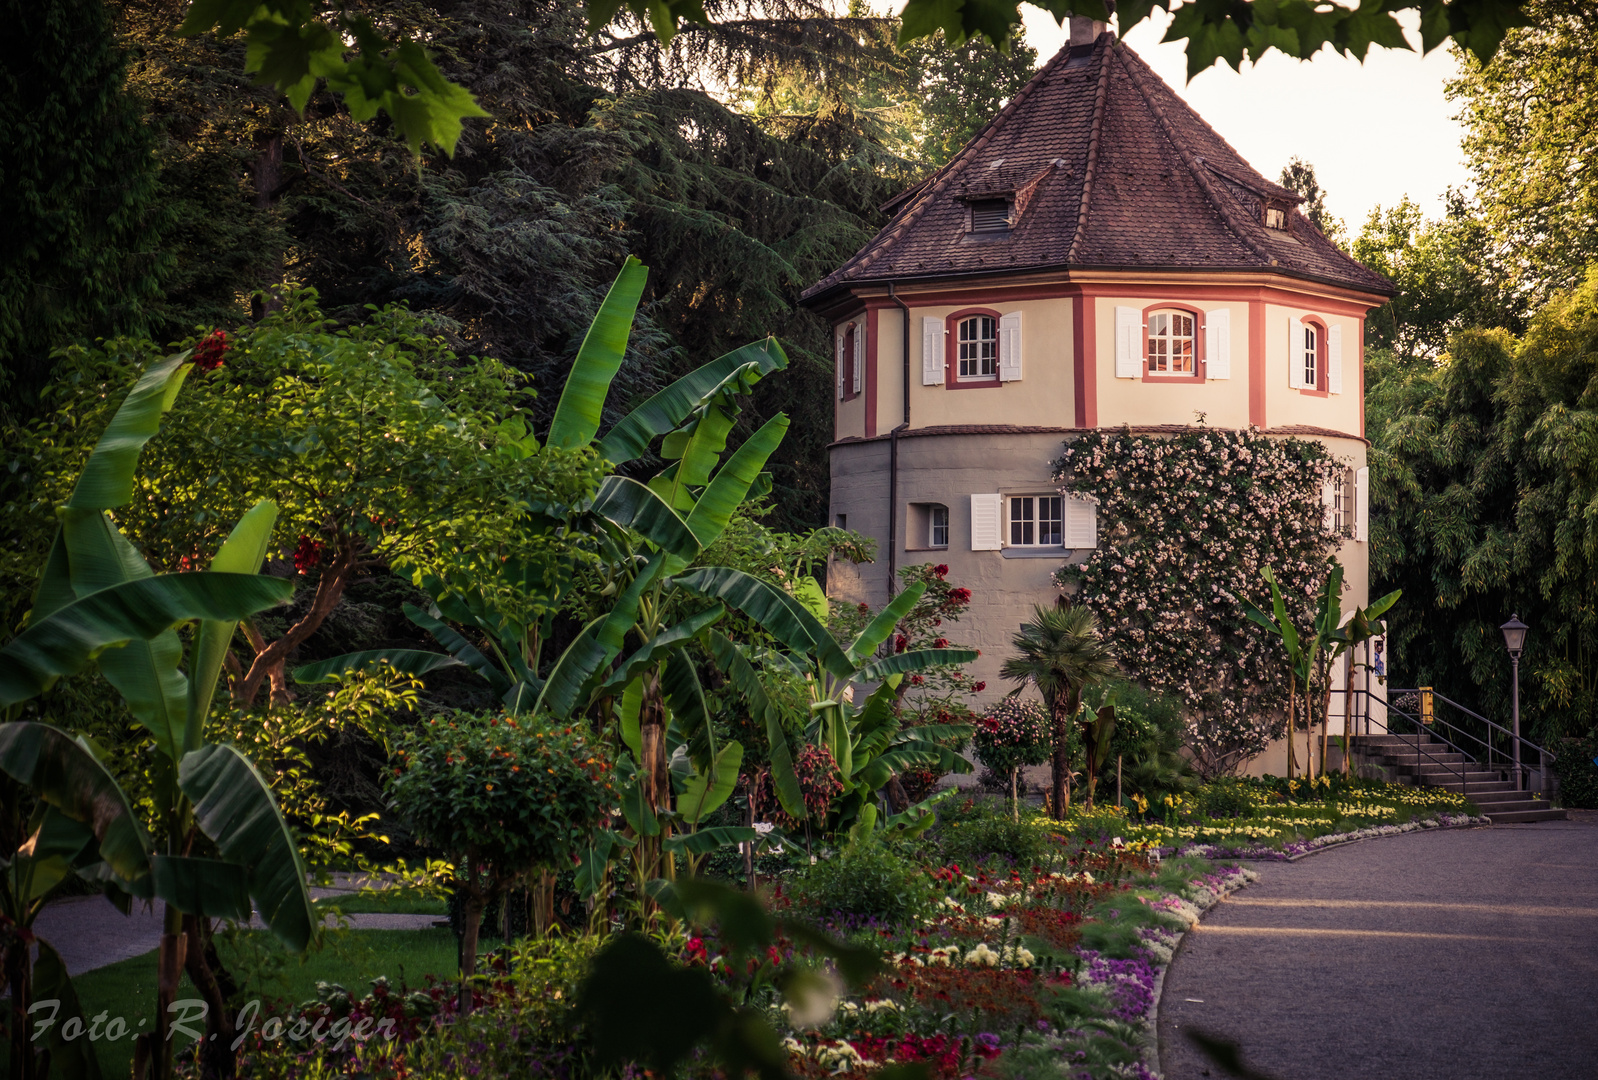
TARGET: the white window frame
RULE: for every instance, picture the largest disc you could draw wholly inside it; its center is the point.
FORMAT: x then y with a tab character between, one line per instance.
935	526
991	361
1035	506
1309	355
1170	339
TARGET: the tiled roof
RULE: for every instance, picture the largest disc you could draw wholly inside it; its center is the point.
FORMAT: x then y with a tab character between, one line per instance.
1109	168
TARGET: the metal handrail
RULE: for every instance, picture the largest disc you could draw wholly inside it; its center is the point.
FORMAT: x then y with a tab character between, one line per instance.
1520	768
1420	750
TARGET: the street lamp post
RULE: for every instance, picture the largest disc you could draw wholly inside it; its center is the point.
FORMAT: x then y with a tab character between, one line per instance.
1514	640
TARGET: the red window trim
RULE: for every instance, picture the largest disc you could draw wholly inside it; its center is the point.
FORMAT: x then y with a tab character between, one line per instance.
951	351
851	328
1322	372
1199	373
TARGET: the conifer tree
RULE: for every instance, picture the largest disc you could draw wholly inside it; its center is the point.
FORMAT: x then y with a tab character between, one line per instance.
79	253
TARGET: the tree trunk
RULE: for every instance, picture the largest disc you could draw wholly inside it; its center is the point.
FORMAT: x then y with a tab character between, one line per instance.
1292	725
270	658
19	977
266	174
1015	802
1060	764
472	916
216	1057
169	970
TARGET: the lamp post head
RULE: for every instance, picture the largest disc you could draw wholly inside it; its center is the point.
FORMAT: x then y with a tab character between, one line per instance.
1514	635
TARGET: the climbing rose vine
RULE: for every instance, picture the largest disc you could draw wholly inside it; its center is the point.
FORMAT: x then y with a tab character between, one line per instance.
1186	523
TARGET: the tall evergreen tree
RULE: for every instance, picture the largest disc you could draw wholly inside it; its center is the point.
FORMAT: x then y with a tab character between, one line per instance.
78	249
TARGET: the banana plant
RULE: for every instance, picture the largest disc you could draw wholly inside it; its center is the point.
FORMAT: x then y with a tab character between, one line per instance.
98	601
1362	625
1098	729
1300	651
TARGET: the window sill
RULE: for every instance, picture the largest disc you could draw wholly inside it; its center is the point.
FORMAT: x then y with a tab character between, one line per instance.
1034	552
941	547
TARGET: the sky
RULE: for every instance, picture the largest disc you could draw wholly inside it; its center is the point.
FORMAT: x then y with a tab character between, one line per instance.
1374	131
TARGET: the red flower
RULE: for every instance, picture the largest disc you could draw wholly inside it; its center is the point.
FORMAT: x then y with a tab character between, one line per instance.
308	554
901	643
209	352
940	643
960	596
979	687
916	680
942	570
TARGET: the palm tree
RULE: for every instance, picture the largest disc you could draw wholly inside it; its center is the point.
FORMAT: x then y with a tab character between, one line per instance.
1059	652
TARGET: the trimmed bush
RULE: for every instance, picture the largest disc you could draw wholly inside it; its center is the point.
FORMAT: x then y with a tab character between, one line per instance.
864	881
1578	773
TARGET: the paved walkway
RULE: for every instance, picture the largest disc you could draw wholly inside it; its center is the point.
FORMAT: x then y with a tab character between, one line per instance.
90	933
1450	955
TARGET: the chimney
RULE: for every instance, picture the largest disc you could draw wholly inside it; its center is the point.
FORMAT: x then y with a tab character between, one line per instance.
1086	31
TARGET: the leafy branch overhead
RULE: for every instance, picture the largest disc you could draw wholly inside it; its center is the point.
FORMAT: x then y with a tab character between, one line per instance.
1228	30
289	48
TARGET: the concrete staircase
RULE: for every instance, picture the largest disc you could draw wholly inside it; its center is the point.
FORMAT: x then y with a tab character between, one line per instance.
1436	764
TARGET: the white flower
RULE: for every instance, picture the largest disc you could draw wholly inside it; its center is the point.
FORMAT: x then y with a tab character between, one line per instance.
763	827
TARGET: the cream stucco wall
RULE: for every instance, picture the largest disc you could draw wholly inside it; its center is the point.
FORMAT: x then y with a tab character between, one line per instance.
1044	395
1285	405
1134	401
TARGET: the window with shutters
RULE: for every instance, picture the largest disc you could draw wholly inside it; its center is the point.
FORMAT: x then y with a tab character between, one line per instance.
850	382
990	216
1172	347
1036	520
975	348
1343	502
978	348
1309	356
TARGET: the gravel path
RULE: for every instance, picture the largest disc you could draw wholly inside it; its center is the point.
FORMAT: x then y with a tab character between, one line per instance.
90	933
1450	955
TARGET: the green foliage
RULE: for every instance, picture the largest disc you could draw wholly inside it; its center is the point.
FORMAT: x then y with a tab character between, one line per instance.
1482	476
513	793
1448	276
864	880
993	833
1150	735
289	50
1529	119
1299	175
1225	797
1192	519
1576	762
79	198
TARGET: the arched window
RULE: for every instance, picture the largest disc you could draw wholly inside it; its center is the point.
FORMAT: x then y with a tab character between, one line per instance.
977	348
1171	344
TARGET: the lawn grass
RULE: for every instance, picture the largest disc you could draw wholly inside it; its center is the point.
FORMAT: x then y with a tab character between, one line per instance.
351	958
396	901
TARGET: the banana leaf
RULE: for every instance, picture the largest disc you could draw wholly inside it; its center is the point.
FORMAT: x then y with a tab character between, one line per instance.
779	614
582	400
66	774
744	678
668	408
72	1059
704	841
881	627
563	690
906	662
459	647
705	791
64	642
731	485
686	697
404	661
242	552
234	807
635	506
107	477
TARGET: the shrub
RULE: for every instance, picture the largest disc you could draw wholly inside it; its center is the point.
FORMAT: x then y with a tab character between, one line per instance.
500	796
1150	731
864	881
1225	798
993	833
1014	734
1578	773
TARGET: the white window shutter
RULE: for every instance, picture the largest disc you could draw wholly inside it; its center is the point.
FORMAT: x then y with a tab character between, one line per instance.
1328	495
931	352
1010	347
1218	343
842	332
859	355
1081	524
1334	358
1362	505
1128	342
987	528
1295	352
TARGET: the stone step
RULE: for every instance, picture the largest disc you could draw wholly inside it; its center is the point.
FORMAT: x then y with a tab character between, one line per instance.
1473	781
1508	794
1394	740
1544	813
